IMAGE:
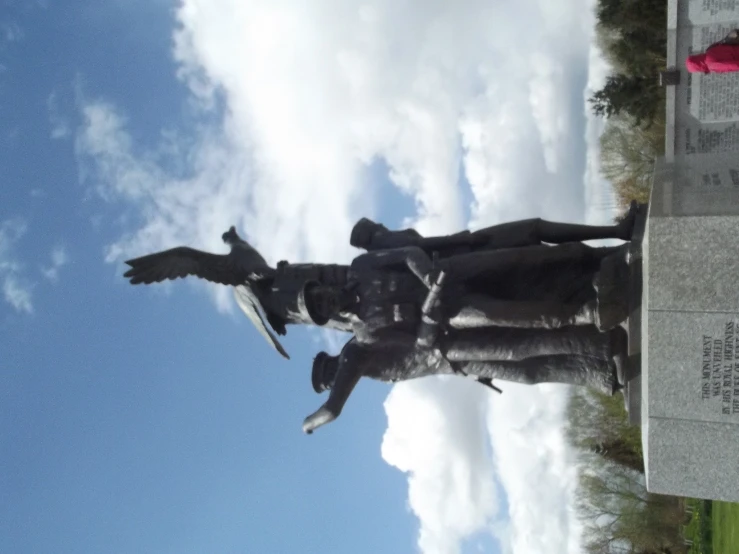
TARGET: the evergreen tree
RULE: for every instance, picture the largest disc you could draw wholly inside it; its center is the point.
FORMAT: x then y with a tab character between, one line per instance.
635	95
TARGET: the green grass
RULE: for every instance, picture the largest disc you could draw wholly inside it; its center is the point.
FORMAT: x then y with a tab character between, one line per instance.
725	523
700	529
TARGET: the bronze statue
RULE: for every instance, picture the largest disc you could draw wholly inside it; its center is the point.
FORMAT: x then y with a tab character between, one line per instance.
541	293
524	301
580	356
533	287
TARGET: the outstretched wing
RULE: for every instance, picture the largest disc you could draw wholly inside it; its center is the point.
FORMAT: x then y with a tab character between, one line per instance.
183	261
250	305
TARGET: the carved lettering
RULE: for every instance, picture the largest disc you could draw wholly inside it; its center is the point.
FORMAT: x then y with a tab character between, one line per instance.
719	371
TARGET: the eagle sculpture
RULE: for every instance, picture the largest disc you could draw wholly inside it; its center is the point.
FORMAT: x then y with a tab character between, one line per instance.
243	268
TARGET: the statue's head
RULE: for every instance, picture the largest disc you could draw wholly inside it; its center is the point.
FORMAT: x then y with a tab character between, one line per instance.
230	236
364	231
321	302
324	372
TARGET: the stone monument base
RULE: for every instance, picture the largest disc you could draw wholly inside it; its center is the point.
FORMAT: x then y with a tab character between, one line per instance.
690	348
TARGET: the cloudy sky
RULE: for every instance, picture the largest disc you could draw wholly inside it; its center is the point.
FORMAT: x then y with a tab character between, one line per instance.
154	419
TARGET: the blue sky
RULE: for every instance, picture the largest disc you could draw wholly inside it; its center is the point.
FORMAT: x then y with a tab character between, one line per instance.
155	419
141	422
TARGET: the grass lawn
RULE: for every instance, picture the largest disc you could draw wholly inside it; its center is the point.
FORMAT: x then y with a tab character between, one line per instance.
699	529
725	520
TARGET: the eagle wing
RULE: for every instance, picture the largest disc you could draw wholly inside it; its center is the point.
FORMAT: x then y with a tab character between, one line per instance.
183	261
250	305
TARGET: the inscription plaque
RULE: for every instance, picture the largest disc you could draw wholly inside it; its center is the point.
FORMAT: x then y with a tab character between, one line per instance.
720	368
708	11
699	184
717	100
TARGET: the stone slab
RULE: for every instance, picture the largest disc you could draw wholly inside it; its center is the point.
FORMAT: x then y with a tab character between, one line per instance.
694	263
692	458
693	366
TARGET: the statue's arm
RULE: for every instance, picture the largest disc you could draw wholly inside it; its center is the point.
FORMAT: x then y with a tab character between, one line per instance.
428	329
412	256
347	377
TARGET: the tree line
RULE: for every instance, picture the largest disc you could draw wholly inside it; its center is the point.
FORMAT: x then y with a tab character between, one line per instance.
619	515
632	34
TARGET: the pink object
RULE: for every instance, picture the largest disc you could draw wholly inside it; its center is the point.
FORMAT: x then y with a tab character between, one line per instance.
697	63
721	58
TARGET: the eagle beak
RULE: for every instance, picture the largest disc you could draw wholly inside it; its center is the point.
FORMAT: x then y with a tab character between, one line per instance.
228	234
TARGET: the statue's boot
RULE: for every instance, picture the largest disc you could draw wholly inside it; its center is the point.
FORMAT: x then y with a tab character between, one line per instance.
619	344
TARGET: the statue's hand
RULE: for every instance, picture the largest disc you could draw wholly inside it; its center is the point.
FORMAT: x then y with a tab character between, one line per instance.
431	277
277	323
318	418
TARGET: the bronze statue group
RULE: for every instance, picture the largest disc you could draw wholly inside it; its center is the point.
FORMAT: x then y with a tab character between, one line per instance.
524	301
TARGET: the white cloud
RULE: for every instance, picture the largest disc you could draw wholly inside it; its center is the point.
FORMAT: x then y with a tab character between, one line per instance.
436	433
16	290
169	209
312	95
59	258
16	294
536	469
60	125
10	31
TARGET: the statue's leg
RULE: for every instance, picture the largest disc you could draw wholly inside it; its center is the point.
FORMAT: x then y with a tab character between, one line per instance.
565	369
612	285
545	287
549	231
509	344
536	230
497	262
479	310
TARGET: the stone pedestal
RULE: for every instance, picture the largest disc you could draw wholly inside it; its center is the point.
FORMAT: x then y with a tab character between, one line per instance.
690	265
690	335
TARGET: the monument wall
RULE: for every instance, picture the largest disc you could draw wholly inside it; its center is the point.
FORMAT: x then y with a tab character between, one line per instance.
690	306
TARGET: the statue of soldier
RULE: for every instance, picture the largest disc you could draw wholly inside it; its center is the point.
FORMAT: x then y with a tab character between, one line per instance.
532	287
273	294
581	356
517	285
372	236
